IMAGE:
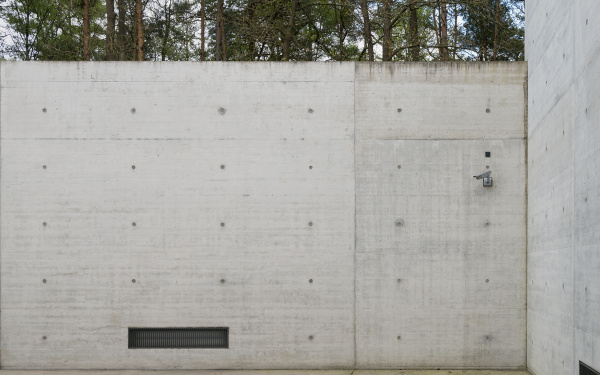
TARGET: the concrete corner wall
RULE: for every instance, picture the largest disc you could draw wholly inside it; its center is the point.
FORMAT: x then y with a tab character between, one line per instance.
325	212
563	50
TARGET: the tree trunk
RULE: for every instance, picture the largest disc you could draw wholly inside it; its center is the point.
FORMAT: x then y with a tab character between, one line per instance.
110	30
340	30
218	32
86	30
435	26
187	43
455	44
413	31
202	31
288	32
223	40
27	31
221	49
364	6
140	30
444	31
251	37
387	30
163	49
496	24
134	32
121	37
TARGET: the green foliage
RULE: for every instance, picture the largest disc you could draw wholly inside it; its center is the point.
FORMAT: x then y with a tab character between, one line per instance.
262	29
479	36
172	30
47	29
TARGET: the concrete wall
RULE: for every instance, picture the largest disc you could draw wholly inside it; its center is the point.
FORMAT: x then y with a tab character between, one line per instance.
265	199
445	287
563	50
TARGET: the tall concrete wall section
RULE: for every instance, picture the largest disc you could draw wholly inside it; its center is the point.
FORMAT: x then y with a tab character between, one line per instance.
563	50
293	203
266	150
440	259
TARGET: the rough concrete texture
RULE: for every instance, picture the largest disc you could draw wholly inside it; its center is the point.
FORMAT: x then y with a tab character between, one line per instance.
225	194
563	50
440	260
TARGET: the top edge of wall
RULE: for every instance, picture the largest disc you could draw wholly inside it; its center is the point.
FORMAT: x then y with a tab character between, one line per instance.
185	71
244	70
465	72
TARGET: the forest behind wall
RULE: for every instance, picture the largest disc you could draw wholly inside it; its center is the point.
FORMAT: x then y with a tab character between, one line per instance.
271	30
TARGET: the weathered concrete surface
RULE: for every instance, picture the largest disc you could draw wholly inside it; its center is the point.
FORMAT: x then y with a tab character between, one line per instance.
178	195
440	260
564	186
246	183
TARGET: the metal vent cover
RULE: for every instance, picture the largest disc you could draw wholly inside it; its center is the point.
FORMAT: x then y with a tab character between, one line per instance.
179	338
586	370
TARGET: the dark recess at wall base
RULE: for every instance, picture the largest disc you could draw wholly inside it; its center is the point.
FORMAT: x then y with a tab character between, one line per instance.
178	338
586	370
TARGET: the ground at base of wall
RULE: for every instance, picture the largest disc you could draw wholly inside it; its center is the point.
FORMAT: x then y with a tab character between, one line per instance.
266	372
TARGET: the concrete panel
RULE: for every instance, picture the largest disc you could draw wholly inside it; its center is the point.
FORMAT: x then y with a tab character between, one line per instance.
564	185
440	101
587	221
243	224
587	33
543	19
554	74
550	150
550	225
549	346
440	259
184	98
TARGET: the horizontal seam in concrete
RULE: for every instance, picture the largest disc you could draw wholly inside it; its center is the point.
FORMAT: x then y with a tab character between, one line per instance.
443	139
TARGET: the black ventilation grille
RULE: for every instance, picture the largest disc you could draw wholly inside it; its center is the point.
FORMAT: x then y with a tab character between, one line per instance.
178	338
587	370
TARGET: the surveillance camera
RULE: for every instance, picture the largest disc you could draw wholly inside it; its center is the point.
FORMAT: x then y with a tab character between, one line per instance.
483	175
